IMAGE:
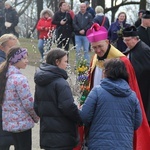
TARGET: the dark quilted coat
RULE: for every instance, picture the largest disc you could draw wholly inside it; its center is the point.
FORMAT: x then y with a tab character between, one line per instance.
54	104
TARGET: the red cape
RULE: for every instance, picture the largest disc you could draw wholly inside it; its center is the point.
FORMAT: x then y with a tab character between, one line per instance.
142	135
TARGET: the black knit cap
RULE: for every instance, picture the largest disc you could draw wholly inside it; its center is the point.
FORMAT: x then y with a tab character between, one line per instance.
146	15
130	31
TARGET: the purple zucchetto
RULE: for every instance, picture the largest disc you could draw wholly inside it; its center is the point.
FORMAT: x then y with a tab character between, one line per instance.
97	33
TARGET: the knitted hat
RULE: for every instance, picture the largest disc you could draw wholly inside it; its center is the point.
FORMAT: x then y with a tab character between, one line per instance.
9	3
96	33
146	15
130	31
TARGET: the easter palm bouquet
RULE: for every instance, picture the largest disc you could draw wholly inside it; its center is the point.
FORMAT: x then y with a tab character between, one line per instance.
82	79
120	31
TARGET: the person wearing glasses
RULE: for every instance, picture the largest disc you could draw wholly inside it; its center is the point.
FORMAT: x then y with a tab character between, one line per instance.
139	55
98	37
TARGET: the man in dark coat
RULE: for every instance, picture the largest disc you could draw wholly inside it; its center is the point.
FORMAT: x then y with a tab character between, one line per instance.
81	23
138	21
139	55
144	28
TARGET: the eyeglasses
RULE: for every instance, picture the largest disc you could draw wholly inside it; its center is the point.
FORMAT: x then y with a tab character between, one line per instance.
127	39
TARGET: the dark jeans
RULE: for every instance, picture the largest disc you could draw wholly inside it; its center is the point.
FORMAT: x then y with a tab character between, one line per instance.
23	140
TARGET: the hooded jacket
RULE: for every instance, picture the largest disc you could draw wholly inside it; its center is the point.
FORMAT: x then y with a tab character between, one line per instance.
55	106
142	135
17	109
114	113
44	25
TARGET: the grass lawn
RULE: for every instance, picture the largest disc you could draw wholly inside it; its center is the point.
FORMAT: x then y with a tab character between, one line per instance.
31	45
34	55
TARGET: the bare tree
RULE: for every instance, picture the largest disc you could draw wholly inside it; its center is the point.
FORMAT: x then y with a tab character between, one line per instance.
143	4
39	7
23	5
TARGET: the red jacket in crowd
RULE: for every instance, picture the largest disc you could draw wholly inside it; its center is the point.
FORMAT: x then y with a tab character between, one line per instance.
45	28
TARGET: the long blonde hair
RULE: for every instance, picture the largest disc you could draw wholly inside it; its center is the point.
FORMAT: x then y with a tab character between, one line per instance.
6	37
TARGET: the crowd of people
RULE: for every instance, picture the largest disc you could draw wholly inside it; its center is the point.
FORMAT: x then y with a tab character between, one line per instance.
116	112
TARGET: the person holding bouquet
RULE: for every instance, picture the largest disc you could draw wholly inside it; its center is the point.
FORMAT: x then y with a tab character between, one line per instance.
98	37
112	110
115	31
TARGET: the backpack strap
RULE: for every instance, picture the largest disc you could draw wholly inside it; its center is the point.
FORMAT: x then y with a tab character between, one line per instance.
104	18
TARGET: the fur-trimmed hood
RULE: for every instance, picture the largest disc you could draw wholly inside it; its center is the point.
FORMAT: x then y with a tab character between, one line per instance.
49	11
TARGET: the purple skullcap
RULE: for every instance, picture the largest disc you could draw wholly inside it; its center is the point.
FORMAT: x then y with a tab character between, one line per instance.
18	56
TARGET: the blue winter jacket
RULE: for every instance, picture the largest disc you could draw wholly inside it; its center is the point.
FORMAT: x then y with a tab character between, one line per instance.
113	111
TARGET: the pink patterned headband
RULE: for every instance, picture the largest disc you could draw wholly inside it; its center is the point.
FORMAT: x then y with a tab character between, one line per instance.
18	56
